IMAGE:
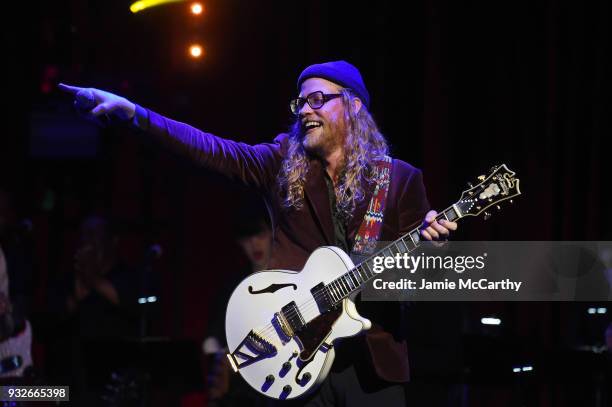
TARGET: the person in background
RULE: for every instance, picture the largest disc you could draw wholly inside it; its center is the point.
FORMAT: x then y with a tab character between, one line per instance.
91	305
15	332
15	329
251	231
99	285
16	242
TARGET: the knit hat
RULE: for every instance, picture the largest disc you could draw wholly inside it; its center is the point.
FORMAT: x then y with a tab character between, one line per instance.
341	73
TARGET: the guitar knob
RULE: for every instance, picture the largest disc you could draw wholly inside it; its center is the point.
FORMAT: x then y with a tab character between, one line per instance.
286	389
498	207
269	379
487	215
286	366
470	185
511	201
307	376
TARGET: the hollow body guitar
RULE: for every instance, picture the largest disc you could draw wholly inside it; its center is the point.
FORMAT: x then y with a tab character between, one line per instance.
281	325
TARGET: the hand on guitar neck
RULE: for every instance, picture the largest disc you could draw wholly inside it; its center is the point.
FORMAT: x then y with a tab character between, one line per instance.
433	229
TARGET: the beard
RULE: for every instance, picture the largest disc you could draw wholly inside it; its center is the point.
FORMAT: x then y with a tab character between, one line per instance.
323	140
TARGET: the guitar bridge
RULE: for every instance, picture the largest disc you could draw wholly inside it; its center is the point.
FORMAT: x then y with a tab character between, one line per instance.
253	348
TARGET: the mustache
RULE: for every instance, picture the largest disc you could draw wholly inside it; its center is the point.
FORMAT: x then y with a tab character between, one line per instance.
297	130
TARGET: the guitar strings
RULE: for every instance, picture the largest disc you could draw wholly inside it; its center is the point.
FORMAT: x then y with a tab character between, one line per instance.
269	328
303	308
307	306
342	286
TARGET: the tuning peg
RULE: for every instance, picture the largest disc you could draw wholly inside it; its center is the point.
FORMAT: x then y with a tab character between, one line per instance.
481	178
487	215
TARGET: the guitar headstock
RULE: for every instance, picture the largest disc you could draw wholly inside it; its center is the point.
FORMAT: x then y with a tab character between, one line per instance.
498	186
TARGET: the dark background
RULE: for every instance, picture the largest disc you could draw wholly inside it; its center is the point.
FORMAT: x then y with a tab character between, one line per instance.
456	86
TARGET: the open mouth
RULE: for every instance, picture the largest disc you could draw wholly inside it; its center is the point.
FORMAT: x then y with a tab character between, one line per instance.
310	125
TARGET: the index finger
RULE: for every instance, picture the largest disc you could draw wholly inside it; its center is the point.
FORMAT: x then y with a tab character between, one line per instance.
70	89
430	217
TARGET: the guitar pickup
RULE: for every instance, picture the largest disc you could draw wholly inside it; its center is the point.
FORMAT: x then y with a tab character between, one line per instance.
282	327
322	298
291	317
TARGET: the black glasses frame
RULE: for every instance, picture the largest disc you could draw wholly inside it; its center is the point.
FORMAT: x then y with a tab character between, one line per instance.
298	103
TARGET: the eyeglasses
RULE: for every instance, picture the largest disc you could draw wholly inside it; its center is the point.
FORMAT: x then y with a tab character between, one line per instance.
315	100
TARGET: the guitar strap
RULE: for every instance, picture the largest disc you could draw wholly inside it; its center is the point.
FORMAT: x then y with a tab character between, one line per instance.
382	346
369	231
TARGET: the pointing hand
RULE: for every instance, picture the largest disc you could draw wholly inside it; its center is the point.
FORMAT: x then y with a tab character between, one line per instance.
95	102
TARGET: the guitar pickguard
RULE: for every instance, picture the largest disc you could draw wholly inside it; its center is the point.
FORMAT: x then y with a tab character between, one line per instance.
313	335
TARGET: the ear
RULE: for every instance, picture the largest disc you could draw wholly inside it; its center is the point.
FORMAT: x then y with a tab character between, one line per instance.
356	102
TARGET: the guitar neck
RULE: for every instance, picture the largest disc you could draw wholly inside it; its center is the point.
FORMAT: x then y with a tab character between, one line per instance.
353	280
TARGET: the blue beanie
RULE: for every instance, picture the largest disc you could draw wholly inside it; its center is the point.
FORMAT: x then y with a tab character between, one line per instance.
341	73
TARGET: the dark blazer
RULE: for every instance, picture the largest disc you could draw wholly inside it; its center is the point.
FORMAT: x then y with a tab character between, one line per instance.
297	233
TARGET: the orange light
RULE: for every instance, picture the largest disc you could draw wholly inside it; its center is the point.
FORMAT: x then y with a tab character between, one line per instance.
196	51
197	8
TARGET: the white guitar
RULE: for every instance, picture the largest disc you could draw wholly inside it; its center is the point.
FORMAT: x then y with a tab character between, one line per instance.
281	325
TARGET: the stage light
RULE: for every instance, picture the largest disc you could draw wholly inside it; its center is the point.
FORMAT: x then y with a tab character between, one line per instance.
527	368
196	51
142	300
144	4
152	299
197	8
516	369
601	310
591	310
490	321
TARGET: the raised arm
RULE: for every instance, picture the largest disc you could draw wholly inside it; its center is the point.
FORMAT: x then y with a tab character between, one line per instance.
253	165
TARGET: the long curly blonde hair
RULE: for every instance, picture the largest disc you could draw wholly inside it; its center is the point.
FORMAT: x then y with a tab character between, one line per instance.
364	145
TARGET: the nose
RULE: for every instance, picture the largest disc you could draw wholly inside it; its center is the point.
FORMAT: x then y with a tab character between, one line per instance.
305	109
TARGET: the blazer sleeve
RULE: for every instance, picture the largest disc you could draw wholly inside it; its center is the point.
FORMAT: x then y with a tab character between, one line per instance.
254	165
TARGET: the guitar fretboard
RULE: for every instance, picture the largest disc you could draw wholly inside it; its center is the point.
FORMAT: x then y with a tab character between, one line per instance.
354	279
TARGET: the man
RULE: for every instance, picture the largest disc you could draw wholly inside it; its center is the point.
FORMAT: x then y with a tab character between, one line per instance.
318	181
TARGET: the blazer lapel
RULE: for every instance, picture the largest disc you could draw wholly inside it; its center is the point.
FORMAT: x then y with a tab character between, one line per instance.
315	191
